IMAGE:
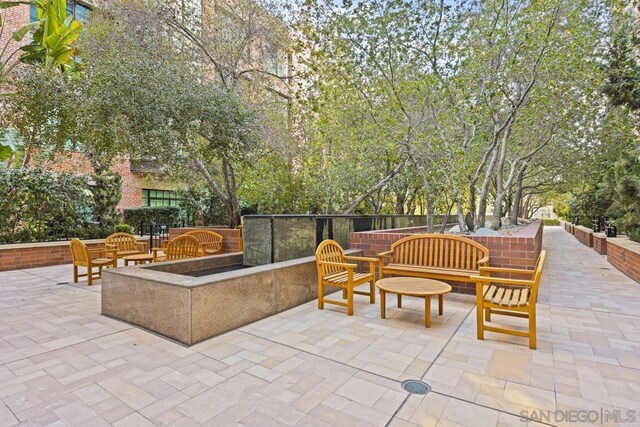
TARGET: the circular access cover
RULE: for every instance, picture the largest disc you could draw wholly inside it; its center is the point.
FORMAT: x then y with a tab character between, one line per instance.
416	387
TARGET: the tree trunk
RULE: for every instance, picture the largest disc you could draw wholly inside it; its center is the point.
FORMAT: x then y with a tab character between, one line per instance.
461	222
482	205
373	189
517	197
472	201
234	213
431	210
400	201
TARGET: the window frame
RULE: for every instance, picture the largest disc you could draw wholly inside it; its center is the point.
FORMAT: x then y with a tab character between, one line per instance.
150	195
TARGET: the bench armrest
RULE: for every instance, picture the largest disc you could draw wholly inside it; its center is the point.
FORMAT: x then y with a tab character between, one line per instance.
372	262
485	279
484	261
382	255
339	264
98	253
506	270
361	258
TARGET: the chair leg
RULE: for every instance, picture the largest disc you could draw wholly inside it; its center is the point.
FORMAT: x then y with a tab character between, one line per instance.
479	317
344	294
532	328
75	273
487	314
320	295
350	300
372	292
89	276
100	272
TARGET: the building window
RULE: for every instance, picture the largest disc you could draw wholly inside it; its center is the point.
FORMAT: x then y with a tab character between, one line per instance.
280	107
160	198
276	60
79	11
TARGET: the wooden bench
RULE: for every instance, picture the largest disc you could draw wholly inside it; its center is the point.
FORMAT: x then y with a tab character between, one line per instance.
509	297
434	256
210	241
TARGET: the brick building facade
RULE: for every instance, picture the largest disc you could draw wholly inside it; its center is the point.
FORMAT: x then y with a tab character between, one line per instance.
145	184
139	187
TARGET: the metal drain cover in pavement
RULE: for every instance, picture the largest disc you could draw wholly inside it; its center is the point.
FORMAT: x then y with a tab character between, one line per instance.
416	387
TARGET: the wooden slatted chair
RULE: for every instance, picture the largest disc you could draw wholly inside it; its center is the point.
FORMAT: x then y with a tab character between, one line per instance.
124	244
333	270
210	241
182	247
90	259
509	297
434	256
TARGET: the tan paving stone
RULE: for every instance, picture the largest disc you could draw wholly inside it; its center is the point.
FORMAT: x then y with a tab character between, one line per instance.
63	363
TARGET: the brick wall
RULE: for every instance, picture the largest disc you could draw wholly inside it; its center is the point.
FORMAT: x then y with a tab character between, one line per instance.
14	18
518	251
600	243
31	255
78	163
584	235
624	255
231	238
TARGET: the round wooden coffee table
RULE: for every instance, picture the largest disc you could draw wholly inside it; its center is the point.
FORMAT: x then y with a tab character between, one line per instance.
137	259
413	287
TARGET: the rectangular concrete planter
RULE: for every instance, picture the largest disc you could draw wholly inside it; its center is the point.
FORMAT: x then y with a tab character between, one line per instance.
192	309
41	254
624	254
517	251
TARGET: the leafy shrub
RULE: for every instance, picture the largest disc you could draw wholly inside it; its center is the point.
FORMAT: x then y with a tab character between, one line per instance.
201	207
40	205
152	215
124	228
551	221
107	193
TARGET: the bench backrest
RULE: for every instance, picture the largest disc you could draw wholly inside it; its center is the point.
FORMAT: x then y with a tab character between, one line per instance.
537	275
438	250
183	247
210	239
79	252
122	241
329	251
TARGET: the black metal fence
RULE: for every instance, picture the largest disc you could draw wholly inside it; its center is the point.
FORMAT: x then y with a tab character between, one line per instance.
158	233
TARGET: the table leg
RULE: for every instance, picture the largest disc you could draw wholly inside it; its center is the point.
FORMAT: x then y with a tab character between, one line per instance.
440	304
383	302
126	262
399	301
427	311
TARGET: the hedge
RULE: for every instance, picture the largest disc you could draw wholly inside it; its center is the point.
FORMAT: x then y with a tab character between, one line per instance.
41	205
152	215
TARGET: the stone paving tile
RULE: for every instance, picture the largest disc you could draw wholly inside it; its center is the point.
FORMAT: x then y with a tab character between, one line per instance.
62	363
398	347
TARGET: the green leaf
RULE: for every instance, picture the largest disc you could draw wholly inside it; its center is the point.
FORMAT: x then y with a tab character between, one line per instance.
19	34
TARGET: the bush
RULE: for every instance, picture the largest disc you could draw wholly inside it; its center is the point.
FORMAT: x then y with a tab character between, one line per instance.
551	221
124	228
152	215
107	193
41	205
200	207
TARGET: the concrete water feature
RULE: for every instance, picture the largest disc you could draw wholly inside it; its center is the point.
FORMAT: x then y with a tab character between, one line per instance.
178	300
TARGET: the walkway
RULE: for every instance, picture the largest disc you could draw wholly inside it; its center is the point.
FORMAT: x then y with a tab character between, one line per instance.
62	363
